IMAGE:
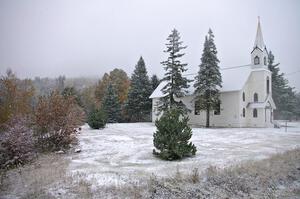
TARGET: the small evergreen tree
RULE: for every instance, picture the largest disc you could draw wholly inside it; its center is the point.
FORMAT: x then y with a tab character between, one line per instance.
138	104
154	82
177	85
208	80
283	95
172	136
111	105
97	119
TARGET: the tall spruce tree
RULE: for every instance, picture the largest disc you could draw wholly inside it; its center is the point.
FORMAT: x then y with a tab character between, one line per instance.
154	82
208	80
111	105
138	104
283	95
176	84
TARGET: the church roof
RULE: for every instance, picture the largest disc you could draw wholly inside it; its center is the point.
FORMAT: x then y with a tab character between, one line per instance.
233	79
259	40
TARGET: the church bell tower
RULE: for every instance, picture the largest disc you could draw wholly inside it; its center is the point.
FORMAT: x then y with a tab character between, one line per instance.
259	54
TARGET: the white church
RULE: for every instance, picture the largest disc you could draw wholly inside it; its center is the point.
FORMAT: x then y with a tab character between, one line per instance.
246	94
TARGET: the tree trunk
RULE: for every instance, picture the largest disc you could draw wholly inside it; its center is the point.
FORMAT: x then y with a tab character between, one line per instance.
207	118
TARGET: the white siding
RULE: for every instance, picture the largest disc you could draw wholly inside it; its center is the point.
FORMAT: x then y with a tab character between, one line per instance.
229	116
257	83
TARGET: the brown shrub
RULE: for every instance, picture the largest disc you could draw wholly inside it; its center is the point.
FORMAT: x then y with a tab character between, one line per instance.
15	96
56	119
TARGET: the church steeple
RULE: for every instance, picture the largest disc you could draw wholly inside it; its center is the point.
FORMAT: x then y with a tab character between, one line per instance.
259	53
259	40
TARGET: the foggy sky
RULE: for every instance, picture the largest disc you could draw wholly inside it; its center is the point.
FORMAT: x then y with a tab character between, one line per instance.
88	38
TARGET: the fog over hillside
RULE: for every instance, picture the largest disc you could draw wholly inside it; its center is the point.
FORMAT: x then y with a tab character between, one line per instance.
78	38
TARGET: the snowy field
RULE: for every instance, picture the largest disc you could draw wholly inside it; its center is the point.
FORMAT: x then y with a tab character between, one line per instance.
122	153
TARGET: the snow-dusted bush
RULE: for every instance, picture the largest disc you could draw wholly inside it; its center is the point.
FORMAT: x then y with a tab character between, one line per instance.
56	119
97	119
16	143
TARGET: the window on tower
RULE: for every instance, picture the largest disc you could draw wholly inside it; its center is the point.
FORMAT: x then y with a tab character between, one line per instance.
243	96
265	61
256	60
255	97
268	85
244	112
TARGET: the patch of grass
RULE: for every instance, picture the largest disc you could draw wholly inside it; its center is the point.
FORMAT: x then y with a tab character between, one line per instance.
195	176
32	180
276	177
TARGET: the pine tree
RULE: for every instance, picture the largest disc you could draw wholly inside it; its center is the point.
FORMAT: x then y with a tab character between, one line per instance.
138	104
154	82
283	95
176	84
172	136
97	119
111	105
208	80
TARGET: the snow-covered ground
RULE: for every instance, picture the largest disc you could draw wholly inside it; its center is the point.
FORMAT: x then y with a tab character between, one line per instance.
122	153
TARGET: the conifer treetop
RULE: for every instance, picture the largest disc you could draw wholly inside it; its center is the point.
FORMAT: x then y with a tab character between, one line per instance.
177	85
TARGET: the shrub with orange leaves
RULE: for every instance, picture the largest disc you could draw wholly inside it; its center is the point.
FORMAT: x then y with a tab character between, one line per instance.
56	119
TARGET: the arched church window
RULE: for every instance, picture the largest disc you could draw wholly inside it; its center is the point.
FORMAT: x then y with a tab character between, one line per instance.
268	85
255	112
265	61
244	112
256	60
244	96
255	97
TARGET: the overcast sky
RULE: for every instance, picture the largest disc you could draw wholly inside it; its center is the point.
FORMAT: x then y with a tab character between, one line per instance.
88	38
